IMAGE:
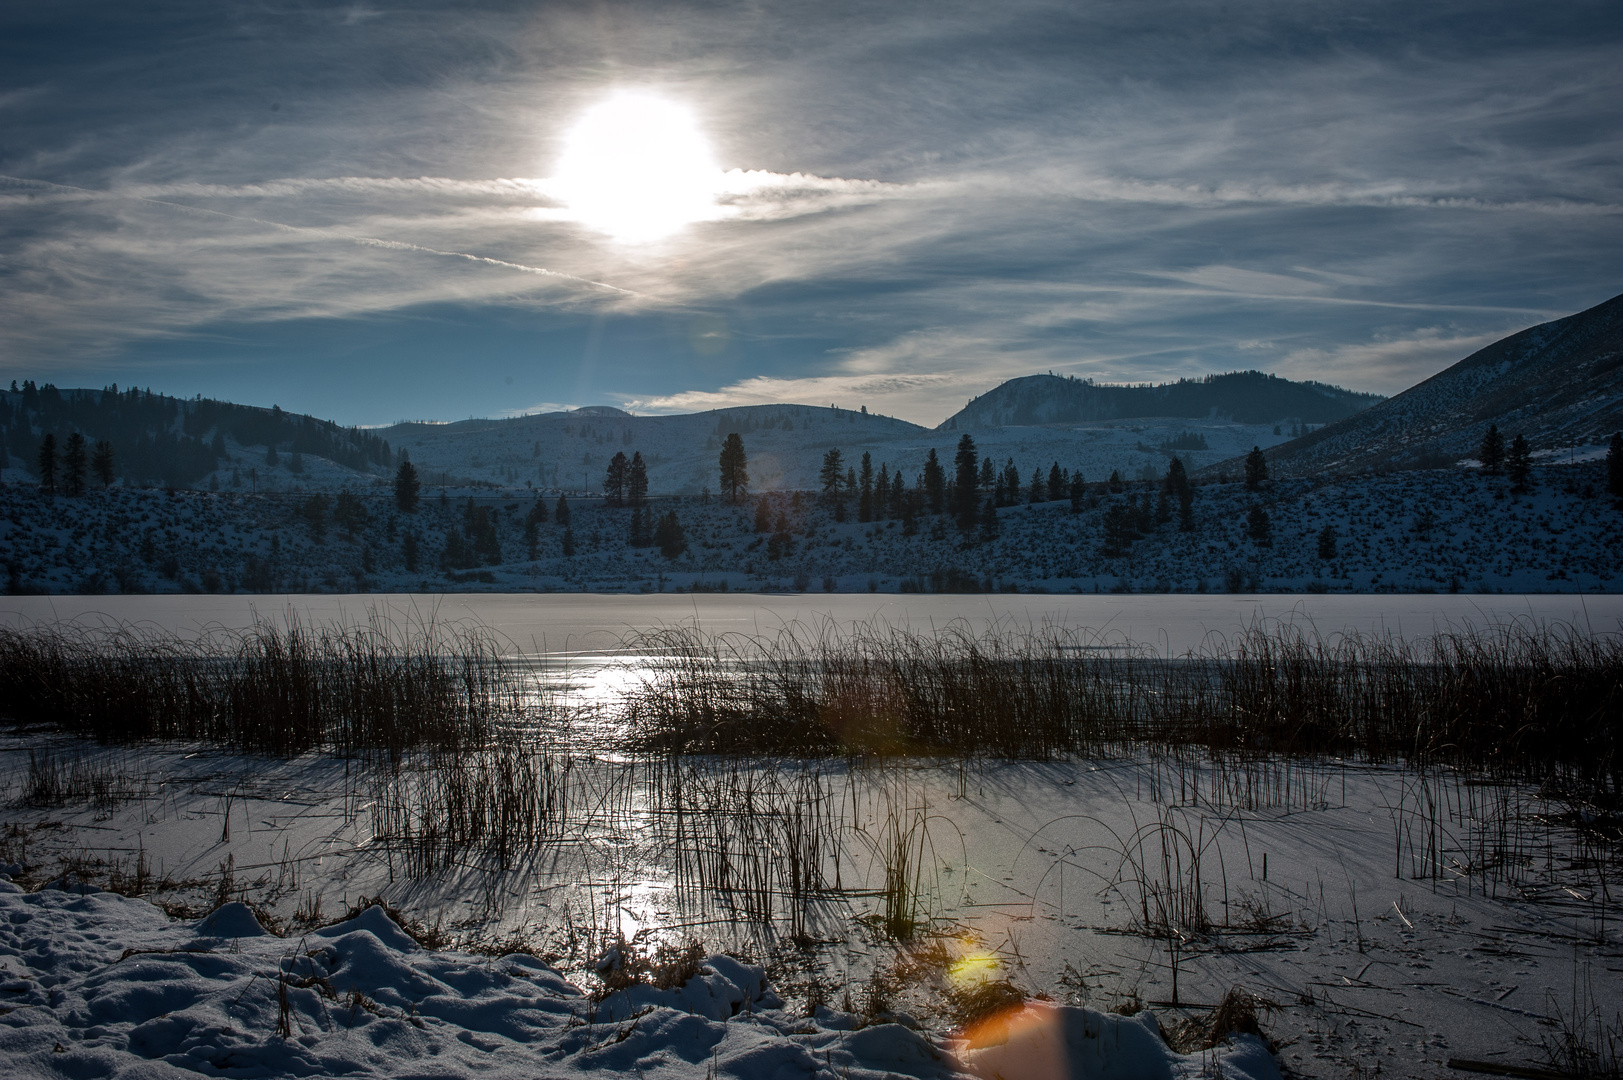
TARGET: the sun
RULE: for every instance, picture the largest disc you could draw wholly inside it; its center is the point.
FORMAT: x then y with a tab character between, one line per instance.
637	168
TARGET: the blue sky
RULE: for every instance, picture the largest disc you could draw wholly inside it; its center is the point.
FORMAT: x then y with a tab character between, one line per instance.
358	212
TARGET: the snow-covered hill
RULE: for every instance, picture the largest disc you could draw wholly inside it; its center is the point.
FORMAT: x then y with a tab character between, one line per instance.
785	445
1412	531
1560	384
1246	397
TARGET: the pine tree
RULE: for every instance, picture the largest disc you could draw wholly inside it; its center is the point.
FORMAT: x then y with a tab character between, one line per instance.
1037	490
614	480
1614	465
560	513
569	543
315	515
74	460
1114	483
1079	491
408	551
538	512
669	537
1491	452
637	480
47	464
865	489
1519	463
1056	483
881	493
935	483
1178	486
1258	527
763	514
832	475
1327	543
1256	469
407	487
966	461
735	477
989	520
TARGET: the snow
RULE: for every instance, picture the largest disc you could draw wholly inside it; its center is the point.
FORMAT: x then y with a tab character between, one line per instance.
97	984
1387	915
1422	531
1043	1041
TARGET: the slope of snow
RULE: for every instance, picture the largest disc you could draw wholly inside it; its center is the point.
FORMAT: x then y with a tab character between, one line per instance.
1413	531
97	984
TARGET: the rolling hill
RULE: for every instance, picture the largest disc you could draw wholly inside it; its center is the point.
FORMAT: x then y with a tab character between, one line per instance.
1559	383
1244	397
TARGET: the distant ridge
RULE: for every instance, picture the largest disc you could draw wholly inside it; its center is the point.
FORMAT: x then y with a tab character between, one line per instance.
1556	383
1246	397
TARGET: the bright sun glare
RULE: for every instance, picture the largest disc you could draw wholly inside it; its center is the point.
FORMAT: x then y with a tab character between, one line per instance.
637	168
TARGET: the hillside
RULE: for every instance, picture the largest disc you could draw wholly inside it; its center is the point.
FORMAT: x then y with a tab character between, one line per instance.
1559	383
1245	397
175	442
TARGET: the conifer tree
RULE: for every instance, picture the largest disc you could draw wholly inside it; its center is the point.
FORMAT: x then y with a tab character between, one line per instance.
560	513
865	489
1114	483
1327	543
832	476
1056	483
101	462
1258	527
637	480
1256	469
614	479
1079	491
935	483
989	521
47	464
668	535
74	460
735	477
967	462
1614	465
763	515
537	514
407	486
1519	463
1491	451
1037	490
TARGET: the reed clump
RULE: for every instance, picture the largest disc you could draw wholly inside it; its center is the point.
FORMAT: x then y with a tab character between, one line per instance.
276	689
1519	699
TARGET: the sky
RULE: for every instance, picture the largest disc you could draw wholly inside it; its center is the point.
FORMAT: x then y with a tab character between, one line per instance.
433	211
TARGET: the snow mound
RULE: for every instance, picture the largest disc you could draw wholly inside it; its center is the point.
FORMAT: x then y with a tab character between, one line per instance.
103	985
1040	1041
233	920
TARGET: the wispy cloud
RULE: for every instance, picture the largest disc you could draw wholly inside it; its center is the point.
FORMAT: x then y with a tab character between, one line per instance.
910	209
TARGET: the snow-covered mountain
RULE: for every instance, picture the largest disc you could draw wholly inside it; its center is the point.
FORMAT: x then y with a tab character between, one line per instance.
1559	383
1245	397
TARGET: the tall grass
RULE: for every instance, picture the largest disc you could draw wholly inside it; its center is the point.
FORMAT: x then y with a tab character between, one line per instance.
1517	699
277	689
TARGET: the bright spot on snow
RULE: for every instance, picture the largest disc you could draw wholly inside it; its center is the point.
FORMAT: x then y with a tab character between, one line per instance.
637	168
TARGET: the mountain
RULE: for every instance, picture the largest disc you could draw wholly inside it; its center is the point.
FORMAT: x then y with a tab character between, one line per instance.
1558	383
1245	397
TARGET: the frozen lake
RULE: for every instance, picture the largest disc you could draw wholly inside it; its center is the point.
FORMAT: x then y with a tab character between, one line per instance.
586	623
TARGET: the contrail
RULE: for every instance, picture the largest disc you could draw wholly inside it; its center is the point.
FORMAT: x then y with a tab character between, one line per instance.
365	241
